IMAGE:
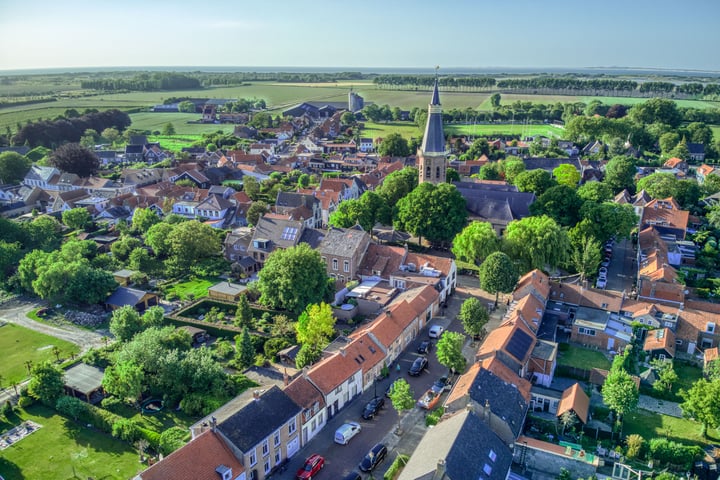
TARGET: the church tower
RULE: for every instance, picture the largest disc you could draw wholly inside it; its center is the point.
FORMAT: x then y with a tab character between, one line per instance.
432	161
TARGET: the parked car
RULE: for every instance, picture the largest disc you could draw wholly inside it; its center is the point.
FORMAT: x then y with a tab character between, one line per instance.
352	476
373	458
346	432
441	384
424	347
389	389
429	399
313	465
603	270
418	366
601	283
373	407
605	263
435	331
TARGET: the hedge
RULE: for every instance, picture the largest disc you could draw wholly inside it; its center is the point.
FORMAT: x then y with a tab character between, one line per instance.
400	461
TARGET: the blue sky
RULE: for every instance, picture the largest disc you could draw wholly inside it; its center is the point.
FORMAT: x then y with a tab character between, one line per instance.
371	33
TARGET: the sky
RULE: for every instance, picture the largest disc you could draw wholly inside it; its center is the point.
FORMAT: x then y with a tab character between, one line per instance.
664	34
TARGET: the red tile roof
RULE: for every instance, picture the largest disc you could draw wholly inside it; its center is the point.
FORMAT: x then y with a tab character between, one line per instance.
575	399
534	280
198	460
660	339
304	393
331	372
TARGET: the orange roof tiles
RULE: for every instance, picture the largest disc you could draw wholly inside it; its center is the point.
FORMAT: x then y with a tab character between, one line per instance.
575	399
304	393
198	460
666	212
381	260
534	280
711	354
531	309
463	384
500	370
661	339
673	162
389	325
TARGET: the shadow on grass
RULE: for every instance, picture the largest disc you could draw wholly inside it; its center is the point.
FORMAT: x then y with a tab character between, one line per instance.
9	470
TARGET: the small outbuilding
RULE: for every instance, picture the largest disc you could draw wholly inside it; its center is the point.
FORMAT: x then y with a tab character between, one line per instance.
138	299
226	291
84	381
574	399
122	277
660	344
198	335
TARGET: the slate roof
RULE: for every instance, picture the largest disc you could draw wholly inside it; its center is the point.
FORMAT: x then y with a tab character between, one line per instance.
228	288
434	138
126	296
257	420
549	164
504	398
281	233
198	460
492	204
294	200
695	148
471	451
343	242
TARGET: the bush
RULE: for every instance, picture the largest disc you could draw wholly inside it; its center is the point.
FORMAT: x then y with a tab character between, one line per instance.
152	437
400	461
111	403
126	429
273	346
673	453
25	401
7	409
172	439
72	407
434	417
635	444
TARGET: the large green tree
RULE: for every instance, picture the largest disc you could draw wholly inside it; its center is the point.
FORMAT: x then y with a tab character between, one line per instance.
595	192
192	242
436	212
143	219
394	145
124	380
13	167
397	185
449	351
536	181
620	174
474	316
366	211
561	203
77	218
402	396
567	175
46	383
294	278
156	238
620	392
498	274
315	326
256	211
246	350
584	255
702	402
537	242
609	218
476	242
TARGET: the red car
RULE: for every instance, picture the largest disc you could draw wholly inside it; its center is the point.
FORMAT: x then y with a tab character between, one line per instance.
312	466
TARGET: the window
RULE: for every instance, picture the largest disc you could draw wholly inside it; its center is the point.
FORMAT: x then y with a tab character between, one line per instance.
346	266
265	448
487	469
277	438
427	171
586	331
492	455
266	465
292	427
400	284
710	327
437	172
253	458
335	264
278	457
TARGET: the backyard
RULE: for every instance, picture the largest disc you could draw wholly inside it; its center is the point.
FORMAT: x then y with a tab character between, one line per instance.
652	425
63	449
583	358
190	289
21	345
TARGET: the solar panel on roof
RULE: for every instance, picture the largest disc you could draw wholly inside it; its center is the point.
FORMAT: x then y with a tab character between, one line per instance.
519	344
289	233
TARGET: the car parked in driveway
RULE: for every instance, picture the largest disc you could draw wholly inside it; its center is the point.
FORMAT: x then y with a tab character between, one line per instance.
373	407
424	347
429	399
312	466
373	458
418	366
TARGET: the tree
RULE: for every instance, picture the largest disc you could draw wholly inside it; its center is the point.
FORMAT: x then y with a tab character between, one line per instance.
702	402
172	439
449	351
495	100
635	444
307	355
347	118
597	192
10	255
168	129
157	236
77	218
561	203
436	212
656	110
402	396
475	242
110	134
192	242
474	316
13	167
512	167
498	274
246	350
536	181
125	323
666	375
584	255
186	107
620	174
566	174
620	392
74	158
315	326
537	242
124	380
256	211
608	219
243	314
143	219
398	184
567	420
300	267
46	383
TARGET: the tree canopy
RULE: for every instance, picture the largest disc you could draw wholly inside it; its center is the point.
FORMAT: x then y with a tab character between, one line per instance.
74	158
398	184
561	203
475	242
620	174
46	383
474	316
449	351
498	274
394	145
315	326
13	167
536	181
435	212
537	242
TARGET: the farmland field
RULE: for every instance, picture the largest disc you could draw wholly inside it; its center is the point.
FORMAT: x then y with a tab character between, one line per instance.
20	345
156	121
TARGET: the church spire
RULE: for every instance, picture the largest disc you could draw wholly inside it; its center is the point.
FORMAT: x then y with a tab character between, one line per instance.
434	139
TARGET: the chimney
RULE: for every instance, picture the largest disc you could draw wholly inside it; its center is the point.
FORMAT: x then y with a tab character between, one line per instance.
286	377
305	371
213	423
439	470
486	411
342	351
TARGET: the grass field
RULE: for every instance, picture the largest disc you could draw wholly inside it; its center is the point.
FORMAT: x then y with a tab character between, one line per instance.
375	130
196	288
63	449
653	425
491	130
20	345
154	121
174	142
584	358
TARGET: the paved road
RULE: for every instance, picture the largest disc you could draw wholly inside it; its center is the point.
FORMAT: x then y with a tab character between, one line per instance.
623	269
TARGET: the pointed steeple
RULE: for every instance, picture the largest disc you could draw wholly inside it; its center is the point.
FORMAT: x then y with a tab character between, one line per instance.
434	139
436	95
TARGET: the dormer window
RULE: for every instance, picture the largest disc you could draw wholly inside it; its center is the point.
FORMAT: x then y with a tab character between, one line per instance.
710	327
224	472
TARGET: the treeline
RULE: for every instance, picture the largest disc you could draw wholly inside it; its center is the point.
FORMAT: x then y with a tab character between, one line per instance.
212	79
568	85
52	133
145	82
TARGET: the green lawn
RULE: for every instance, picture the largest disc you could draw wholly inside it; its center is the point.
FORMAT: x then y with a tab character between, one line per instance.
63	449
158	422
382	130
498	130
19	345
174	142
197	288
155	121
651	425
584	358
687	376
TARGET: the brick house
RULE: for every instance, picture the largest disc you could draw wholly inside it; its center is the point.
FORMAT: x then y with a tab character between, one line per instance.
342	250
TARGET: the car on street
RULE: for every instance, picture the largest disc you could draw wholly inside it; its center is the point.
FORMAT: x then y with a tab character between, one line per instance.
352	476
435	331
373	458
424	347
373	407
312	466
389	389
429	399
346	432
605	263
441	384
601	283
603	270
418	366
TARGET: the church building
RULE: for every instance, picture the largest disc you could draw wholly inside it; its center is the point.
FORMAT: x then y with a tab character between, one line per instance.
431	156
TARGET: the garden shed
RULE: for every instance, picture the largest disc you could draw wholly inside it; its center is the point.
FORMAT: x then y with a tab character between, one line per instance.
226	291
84	381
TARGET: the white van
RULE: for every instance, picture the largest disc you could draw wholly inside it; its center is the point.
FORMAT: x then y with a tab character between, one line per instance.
346	432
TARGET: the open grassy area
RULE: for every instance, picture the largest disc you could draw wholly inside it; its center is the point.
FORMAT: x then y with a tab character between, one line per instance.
687	376
174	142
19	345
652	425
499	130
196	288
63	449
155	121
584	358
382	130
